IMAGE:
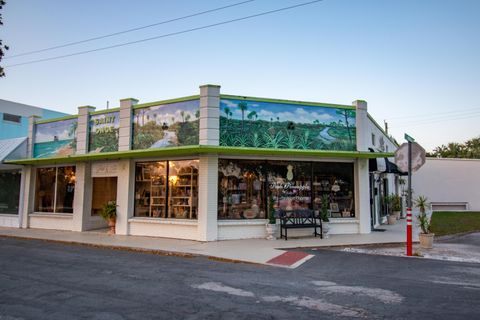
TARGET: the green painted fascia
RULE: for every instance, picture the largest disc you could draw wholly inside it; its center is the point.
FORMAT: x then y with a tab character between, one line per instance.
104	111
200	149
382	130
56	119
305	103
157	103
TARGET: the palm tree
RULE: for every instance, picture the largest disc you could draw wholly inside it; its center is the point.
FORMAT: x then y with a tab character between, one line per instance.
227	111
243	107
347	114
182	114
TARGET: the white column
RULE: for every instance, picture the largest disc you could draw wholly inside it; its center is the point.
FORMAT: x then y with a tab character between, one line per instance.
83	129
361	124
362	195
125	194
28	173
82	201
209	115
125	129
31	135
207	198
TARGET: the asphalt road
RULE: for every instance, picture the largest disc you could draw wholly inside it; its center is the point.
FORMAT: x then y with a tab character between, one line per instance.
43	280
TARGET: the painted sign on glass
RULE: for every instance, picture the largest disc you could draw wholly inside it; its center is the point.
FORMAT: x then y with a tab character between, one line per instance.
259	124
103	135
168	125
55	139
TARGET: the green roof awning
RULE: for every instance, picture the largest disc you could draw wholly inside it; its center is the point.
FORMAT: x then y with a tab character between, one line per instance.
198	150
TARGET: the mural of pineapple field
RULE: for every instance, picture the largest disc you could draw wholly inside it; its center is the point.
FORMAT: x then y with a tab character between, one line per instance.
55	138
174	124
258	124
103	136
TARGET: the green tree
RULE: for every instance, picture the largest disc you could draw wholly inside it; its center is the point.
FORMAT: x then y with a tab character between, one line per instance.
347	114
470	149
243	107
3	47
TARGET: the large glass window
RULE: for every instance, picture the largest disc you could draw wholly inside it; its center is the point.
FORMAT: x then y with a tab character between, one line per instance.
55	189
9	191
167	189
333	183
241	189
247	189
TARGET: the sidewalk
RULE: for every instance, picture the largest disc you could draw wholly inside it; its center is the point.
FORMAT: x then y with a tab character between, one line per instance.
258	251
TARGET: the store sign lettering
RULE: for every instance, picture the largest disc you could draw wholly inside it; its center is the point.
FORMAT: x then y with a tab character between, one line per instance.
109	121
288	186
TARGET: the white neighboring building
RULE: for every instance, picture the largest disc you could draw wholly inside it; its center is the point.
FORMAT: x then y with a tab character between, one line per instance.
449	184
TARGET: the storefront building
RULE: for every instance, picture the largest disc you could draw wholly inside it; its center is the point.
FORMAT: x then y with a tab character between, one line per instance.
206	167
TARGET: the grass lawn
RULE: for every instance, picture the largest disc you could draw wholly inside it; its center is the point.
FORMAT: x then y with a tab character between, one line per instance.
451	222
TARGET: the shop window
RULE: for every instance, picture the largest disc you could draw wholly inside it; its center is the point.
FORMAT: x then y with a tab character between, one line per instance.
289	184
166	189
333	186
104	190
241	189
9	196
373	139
55	189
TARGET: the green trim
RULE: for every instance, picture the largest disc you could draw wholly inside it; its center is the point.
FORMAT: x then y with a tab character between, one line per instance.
57	119
87	106
305	103
210	85
382	130
157	103
105	111
200	149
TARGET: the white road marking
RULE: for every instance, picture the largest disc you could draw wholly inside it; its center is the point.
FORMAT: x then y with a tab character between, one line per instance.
218	287
385	296
319	305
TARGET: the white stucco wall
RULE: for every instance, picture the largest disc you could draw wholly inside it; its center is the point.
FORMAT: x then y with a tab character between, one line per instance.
449	180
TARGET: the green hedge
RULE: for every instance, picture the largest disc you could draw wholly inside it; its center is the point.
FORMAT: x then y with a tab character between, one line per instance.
452	222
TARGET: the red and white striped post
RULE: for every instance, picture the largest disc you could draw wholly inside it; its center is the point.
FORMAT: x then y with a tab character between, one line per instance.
409	231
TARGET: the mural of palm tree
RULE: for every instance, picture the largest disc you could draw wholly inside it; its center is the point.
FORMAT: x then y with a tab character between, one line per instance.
182	114
243	107
347	114
251	115
197	114
187	117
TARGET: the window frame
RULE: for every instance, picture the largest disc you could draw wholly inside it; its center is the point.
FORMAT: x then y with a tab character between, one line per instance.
55	189
12	115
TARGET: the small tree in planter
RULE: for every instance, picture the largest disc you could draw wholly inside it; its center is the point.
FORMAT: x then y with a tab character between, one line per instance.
389	200
324	216
396	205
272	221
109	214
423	221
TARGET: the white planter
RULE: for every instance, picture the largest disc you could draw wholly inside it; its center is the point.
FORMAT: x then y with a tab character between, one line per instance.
271	231
426	240
392	219
326	229
397	214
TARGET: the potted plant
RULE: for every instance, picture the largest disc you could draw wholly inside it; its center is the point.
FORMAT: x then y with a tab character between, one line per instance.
271	225
423	221
389	200
396	206
324	216
109	214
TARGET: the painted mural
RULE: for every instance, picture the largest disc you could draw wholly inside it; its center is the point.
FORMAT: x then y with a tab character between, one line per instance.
245	123
168	125
103	136
55	138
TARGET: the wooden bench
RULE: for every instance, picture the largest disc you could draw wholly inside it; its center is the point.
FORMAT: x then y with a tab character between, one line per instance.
297	219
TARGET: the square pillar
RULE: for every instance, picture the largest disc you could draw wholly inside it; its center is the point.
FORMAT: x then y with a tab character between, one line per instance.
209	127
82	201
28	179
125	129
83	128
31	135
207	198
361	121
125	195
362	195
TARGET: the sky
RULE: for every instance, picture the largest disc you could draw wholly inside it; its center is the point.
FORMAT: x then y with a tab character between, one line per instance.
416	62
